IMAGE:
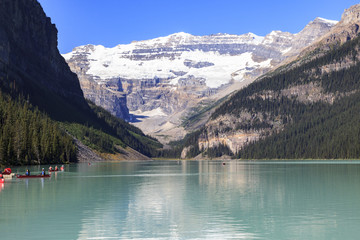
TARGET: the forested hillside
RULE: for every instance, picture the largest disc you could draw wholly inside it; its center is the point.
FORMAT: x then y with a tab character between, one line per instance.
323	132
28	136
307	111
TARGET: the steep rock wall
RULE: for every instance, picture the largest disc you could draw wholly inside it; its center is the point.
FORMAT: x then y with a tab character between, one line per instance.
30	62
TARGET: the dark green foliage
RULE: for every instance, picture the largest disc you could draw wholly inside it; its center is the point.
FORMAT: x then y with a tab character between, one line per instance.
190	140
174	152
344	80
129	135
200	112
218	151
318	130
29	137
94	138
101	131
331	133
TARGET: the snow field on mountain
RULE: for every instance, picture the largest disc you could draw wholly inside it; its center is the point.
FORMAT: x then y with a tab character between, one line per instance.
108	63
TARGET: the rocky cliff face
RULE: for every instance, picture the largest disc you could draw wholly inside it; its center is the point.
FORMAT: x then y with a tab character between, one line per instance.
345	30
163	78
29	59
348	27
109	96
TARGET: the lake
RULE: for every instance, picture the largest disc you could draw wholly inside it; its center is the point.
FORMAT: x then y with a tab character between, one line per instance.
186	200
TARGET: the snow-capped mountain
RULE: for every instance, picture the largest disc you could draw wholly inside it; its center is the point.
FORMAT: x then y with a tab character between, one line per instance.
162	78
176	57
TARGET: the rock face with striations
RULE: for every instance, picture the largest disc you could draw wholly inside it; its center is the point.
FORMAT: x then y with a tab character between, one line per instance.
30	62
163	78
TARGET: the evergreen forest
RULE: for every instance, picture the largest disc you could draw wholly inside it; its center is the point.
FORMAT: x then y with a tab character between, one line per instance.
28	136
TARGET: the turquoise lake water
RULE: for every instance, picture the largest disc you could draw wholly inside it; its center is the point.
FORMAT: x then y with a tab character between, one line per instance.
186	200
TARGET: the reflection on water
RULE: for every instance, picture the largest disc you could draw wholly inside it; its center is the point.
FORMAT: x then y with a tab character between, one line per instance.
187	200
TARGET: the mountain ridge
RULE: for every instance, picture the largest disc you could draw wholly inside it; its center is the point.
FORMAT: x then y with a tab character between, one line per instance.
162	79
182	35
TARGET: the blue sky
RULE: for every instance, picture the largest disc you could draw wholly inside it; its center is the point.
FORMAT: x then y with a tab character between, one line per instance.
112	22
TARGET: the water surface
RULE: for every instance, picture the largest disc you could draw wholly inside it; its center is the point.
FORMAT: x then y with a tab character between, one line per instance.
186	200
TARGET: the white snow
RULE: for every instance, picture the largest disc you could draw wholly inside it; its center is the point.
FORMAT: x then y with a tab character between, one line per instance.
332	22
68	56
107	63
286	50
123	61
240	73
151	113
110	63
257	39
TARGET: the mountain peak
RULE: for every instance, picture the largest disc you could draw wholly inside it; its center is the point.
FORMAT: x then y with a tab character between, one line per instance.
351	14
319	26
324	20
343	31
181	34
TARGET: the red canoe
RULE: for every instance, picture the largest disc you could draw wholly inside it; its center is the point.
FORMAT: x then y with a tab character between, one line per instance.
54	170
33	176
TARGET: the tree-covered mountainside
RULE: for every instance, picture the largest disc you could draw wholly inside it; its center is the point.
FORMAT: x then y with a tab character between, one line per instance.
307	110
129	134
28	136
42	104
326	132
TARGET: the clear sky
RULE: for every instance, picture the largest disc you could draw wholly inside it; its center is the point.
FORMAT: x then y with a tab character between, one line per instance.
113	22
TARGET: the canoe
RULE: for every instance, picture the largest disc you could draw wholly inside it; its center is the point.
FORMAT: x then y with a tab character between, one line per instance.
54	170
33	176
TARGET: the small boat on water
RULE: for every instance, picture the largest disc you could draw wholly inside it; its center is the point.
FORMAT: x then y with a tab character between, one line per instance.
33	176
54	170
